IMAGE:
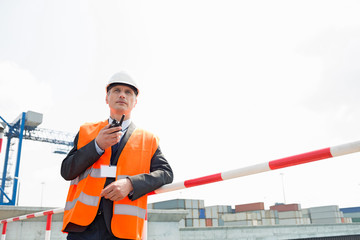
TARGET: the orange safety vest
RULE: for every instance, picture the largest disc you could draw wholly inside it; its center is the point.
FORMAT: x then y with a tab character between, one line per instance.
84	193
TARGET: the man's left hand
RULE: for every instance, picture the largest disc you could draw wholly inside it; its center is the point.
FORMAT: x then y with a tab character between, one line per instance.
117	190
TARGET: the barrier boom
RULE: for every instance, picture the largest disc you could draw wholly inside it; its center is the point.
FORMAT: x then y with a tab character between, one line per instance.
47	213
254	169
266	166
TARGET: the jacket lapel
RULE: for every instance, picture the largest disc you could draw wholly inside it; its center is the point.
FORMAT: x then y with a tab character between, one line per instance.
124	140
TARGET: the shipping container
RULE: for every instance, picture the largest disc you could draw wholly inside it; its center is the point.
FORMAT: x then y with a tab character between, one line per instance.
291	221
268	221
202	213
208	213
286	207
188	204
201	204
215	222
188	222
249	207
182	223
305	213
193	222
178	204
307	220
325	220
330	208
194	204
208	222
329	214
352	214
170	204
266	213
215	211
350	210
242	223
346	220
193	213
290	214
196	222
230	217
269	214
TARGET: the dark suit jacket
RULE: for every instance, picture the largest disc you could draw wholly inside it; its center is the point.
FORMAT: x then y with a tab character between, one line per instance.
78	160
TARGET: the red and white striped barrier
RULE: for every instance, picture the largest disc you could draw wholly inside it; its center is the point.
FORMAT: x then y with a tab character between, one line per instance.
266	166
48	213
254	169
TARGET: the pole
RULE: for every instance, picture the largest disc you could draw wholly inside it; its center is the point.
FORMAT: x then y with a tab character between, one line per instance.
17	168
48	226
283	187
3	180
3	235
42	193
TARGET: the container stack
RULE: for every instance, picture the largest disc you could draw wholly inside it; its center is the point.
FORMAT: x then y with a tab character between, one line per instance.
269	217
351	212
254	214
327	215
291	214
196	209
251	214
292	218
240	219
196	216
213	215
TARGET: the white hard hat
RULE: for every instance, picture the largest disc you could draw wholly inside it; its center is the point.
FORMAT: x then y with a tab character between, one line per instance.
123	78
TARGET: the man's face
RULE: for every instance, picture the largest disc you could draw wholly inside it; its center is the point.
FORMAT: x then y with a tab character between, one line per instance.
121	99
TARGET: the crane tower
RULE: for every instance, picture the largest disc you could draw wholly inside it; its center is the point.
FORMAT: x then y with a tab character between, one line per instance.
25	126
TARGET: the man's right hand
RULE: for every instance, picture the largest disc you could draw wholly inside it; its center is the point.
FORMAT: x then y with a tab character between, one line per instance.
108	137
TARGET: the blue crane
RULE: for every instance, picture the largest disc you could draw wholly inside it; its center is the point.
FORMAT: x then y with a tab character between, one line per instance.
25	126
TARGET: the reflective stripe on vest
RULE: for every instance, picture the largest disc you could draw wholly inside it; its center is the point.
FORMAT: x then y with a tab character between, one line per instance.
85	199
94	172
122	209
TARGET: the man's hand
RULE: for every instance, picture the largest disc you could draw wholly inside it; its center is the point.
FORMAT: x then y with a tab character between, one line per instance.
117	190
108	136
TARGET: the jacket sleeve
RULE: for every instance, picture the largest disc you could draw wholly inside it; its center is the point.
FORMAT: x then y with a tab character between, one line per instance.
160	174
78	160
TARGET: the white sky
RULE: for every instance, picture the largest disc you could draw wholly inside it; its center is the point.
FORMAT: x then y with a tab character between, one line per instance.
225	84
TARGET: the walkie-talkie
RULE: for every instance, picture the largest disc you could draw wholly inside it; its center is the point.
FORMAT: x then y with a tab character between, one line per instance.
116	123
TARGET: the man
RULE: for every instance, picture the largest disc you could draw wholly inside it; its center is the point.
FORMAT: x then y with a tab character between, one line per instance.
111	170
